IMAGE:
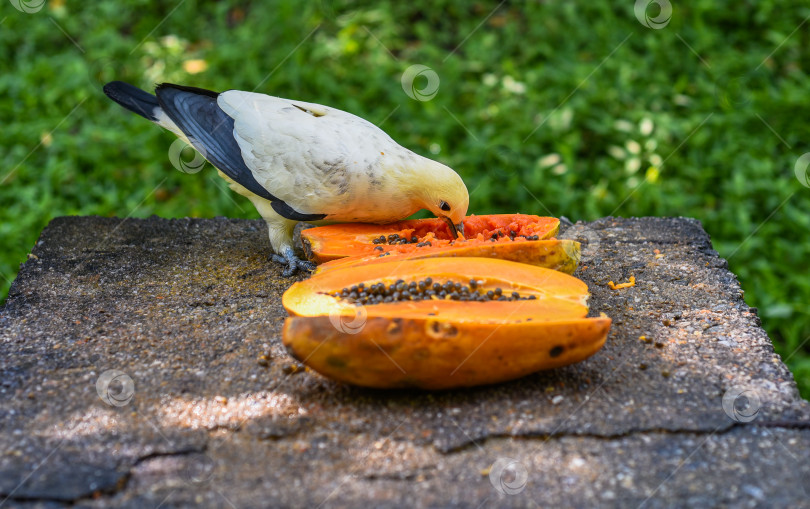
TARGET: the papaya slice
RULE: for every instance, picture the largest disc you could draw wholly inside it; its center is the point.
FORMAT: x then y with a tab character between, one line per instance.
439	323
557	254
324	243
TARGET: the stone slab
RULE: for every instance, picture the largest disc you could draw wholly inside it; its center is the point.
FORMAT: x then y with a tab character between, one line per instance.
189	311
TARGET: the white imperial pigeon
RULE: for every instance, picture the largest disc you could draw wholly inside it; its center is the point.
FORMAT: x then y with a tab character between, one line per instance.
299	161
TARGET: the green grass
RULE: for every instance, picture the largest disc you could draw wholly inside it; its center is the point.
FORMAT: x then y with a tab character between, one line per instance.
579	106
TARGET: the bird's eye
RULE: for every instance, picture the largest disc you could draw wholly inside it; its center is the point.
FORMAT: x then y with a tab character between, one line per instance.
444	206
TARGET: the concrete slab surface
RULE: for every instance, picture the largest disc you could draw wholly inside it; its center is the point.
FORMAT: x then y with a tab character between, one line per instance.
178	322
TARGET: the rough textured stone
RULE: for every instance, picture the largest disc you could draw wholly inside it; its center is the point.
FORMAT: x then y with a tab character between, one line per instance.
190	311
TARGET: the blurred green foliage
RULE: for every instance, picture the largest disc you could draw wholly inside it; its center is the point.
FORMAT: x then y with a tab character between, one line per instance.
563	108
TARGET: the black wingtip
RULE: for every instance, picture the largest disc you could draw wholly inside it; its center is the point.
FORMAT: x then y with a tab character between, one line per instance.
194	90
288	212
132	98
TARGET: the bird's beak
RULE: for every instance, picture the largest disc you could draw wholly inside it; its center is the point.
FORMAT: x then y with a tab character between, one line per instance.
454	228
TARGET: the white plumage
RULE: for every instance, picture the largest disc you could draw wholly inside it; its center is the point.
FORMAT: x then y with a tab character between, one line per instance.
321	160
301	161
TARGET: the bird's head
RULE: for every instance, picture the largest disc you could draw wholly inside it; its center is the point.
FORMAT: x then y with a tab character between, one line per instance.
442	192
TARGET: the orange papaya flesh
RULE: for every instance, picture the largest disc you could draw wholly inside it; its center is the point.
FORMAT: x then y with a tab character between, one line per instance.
557	254
553	292
324	243
441	343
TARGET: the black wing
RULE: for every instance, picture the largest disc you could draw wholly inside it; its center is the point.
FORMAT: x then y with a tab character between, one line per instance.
210	131
196	112
133	98
285	210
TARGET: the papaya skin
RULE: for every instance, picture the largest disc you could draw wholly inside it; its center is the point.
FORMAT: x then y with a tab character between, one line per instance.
432	354
325	243
561	255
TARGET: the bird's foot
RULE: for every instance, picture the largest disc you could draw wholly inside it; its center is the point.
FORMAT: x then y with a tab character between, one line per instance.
292	263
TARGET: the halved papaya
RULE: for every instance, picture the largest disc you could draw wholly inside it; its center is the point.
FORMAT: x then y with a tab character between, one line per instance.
324	243
438	323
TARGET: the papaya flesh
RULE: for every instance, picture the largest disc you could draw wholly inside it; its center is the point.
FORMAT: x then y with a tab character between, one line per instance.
557	254
325	243
535	320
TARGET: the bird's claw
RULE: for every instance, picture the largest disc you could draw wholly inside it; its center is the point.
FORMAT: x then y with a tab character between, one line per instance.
307	265
292	263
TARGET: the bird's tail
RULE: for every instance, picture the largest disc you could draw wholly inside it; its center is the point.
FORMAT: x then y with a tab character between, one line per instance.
134	99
